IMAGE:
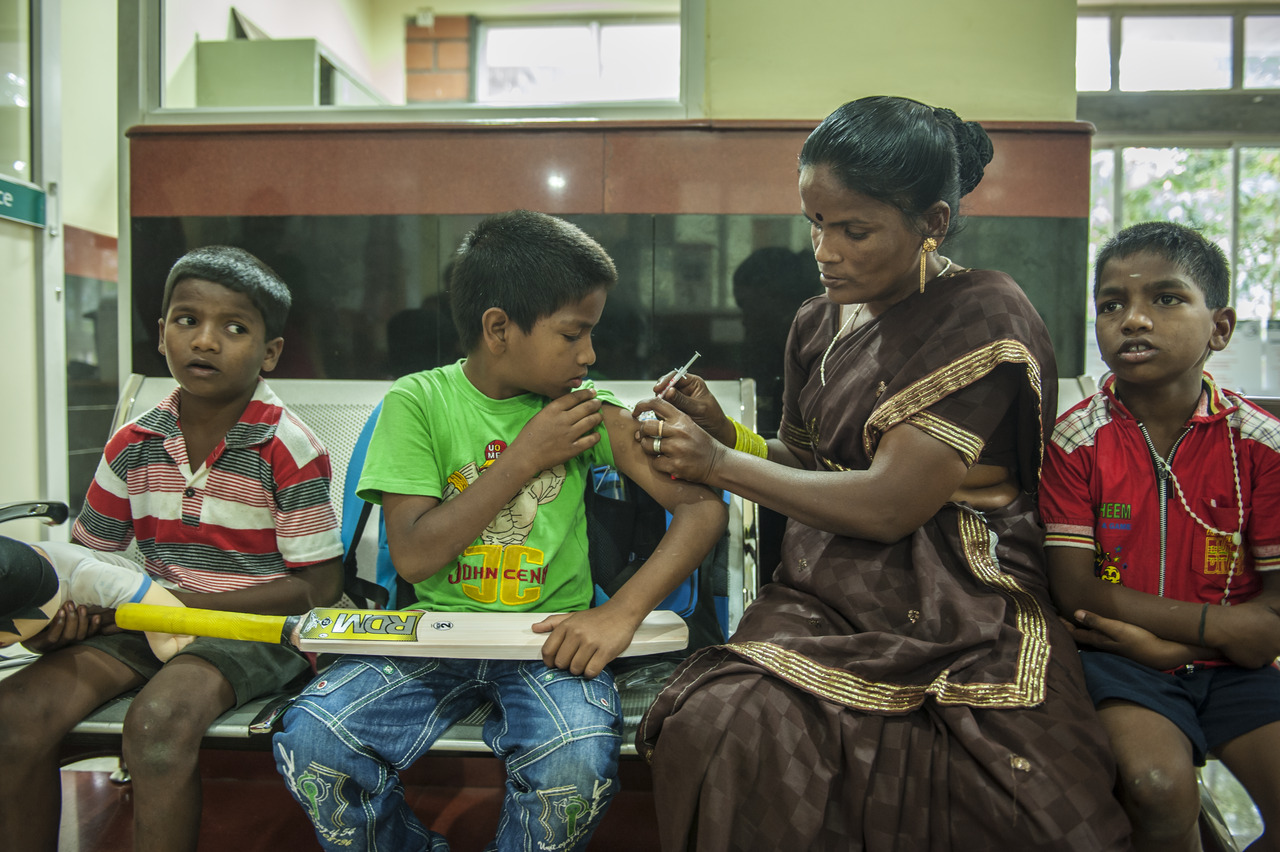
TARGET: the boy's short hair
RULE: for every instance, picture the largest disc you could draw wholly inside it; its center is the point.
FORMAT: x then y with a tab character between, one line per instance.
526	263
235	269
1200	258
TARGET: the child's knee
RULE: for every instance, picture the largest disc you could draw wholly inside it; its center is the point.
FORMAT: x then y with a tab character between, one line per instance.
158	736
1161	795
584	763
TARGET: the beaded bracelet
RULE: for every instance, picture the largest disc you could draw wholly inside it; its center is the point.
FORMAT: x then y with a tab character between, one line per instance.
747	441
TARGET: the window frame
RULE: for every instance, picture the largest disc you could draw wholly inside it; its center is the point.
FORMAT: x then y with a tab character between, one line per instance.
1198	114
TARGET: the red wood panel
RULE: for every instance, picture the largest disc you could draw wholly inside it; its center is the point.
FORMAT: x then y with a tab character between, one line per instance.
317	171
1040	169
89	254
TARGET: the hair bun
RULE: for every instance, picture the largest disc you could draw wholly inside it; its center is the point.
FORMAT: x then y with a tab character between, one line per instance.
974	151
973	148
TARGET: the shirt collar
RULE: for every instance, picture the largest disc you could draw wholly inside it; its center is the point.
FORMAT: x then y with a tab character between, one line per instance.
1212	405
257	423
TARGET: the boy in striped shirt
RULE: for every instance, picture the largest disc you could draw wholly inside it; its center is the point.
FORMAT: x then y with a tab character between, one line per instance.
226	494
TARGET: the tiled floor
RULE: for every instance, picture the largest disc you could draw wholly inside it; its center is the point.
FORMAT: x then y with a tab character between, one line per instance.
247	808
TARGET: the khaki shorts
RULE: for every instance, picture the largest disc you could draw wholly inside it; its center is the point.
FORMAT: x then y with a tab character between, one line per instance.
252	668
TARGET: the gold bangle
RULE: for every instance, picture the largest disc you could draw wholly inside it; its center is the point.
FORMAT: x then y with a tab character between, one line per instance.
746	441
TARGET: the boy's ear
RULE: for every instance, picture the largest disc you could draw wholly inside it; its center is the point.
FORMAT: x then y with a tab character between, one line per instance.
272	356
495	325
160	345
1224	325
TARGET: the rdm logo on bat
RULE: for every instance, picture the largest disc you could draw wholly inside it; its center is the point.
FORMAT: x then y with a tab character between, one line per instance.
363	624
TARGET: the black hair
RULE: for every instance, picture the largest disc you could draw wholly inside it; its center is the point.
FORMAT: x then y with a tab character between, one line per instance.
901	152
1200	258
235	269
526	263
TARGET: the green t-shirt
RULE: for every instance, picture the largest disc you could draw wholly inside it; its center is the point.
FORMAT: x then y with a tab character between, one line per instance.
436	434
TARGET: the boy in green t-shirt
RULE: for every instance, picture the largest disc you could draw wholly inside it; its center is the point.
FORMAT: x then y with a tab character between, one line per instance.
480	468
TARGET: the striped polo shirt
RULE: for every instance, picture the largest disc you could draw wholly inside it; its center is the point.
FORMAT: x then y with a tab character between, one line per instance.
256	510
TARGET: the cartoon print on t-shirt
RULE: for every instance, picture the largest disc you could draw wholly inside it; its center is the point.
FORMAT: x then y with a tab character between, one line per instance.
511	572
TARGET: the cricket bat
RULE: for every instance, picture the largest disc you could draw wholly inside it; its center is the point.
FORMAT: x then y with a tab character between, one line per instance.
392	632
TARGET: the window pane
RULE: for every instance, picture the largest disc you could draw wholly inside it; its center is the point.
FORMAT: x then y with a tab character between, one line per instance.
536	64
640	61
1191	186
1257	271
584	62
1171	54
1262	52
15	89
1093	54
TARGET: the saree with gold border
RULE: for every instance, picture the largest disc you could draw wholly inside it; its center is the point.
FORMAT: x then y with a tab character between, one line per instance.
919	695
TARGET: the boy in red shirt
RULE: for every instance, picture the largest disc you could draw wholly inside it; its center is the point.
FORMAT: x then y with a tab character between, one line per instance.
1160	498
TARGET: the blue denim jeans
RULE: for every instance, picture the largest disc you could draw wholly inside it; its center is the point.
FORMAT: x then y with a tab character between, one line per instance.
361	721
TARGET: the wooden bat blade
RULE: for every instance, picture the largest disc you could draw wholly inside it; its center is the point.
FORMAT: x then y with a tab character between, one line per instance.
403	633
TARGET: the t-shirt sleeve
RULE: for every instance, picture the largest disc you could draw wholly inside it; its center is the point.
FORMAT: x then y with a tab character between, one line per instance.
306	524
602	452
401	457
1262	530
1066	502
107	584
106	521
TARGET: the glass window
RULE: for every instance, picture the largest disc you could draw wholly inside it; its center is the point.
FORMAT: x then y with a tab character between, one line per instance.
1191	186
1257	262
1093	54
1262	51
590	61
1175	53
15	89
1102	213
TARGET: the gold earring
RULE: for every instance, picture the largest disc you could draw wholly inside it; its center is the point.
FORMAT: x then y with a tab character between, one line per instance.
930	244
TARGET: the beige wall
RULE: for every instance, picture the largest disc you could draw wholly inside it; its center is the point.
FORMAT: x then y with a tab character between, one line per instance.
89	183
988	59
19	381
344	26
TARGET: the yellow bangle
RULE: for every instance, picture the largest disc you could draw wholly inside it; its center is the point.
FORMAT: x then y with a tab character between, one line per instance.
746	441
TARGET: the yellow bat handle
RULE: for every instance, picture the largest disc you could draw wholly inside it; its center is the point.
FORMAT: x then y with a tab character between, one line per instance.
201	622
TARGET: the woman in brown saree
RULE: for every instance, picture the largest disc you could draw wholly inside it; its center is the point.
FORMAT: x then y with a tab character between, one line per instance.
903	683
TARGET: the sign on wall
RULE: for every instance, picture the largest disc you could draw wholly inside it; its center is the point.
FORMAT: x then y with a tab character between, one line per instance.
21	201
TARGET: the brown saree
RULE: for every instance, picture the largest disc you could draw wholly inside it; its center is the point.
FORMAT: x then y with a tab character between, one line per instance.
919	695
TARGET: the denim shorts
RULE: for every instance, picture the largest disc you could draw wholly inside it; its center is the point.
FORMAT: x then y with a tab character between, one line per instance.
1211	705
252	668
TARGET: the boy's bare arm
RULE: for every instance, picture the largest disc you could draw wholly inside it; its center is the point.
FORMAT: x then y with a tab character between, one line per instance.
1248	634
316	585
426	535
584	642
